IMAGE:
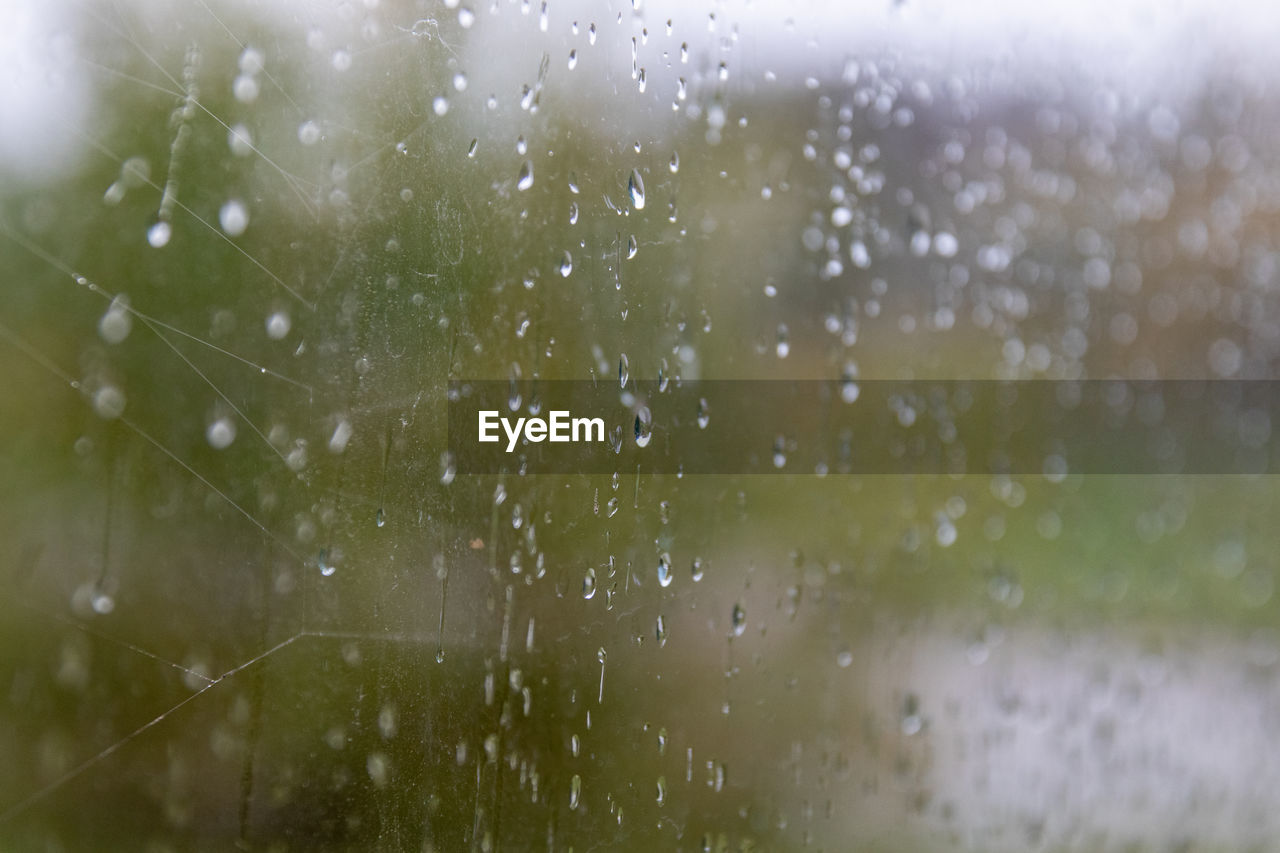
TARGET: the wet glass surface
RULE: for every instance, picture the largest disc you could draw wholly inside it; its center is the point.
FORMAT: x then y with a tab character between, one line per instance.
254	600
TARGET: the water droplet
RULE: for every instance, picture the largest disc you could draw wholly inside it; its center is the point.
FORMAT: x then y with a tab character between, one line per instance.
566	265
245	88
573	59
624	370
251	61
849	390
698	569
945	532
664	570
234	218
278	325
912	722
660	631
704	414
326	568
109	402
158	235
738	620
380	518
524	180
662	790
945	244
589	584
779	452
643	427
240	140
844	659
471	149
341	435
116	323
221	433
575	791
635	188
440	105
675	162
308	133
632	247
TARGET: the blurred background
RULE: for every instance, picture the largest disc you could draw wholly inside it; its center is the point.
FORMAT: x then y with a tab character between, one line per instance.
250	602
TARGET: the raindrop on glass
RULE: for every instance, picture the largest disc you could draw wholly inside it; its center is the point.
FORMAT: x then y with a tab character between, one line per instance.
635	188
524	180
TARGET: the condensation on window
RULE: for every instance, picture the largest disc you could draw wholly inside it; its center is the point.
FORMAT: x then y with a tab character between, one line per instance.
251	602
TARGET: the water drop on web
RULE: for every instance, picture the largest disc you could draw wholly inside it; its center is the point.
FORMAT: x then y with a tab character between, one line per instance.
221	433
234	218
158	235
116	323
308	133
278	325
109	402
240	140
245	89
